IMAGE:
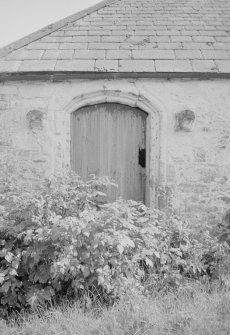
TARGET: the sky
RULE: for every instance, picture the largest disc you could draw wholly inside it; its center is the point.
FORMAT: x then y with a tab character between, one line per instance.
19	18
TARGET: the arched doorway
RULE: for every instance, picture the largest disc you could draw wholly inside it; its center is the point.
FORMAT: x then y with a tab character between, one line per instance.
109	139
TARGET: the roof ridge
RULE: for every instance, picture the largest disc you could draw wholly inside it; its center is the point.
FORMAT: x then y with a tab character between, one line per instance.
4	51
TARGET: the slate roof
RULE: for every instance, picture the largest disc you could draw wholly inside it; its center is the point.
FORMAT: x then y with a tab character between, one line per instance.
153	36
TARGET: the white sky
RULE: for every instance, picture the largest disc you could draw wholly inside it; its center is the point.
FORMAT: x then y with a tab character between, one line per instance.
19	18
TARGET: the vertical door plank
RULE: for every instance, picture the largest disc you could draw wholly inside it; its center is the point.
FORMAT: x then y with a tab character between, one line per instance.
105	141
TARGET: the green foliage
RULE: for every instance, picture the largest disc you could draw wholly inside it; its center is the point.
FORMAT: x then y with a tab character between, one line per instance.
217	203
190	311
61	238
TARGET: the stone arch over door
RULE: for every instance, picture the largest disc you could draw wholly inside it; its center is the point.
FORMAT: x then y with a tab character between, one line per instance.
155	129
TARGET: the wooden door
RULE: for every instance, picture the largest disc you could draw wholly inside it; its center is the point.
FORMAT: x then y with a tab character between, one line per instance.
109	140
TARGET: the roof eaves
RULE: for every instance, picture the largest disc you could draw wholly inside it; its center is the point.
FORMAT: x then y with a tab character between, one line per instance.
52	27
66	75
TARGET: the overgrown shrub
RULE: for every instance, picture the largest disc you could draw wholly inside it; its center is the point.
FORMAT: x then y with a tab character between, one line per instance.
62	239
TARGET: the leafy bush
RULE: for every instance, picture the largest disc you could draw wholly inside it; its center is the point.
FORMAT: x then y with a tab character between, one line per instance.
61	239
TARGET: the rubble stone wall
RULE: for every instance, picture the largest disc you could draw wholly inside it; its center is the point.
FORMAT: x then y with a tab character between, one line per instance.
194	141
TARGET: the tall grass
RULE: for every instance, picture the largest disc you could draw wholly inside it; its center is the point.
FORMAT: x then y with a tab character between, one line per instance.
189	312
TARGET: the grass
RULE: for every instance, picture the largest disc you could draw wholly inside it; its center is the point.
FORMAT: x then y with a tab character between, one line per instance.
189	312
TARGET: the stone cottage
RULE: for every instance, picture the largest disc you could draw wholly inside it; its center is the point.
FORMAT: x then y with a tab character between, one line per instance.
135	89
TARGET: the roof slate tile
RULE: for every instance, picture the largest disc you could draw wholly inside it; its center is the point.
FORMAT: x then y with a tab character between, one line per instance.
103	46
153	54
51	54
136	65
89	54
73	46
173	66
188	54
66	54
75	65
76	33
37	65
9	66
106	65
118	54
204	66
25	54
42	46
223	65
57	39
159	35
215	54
221	46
